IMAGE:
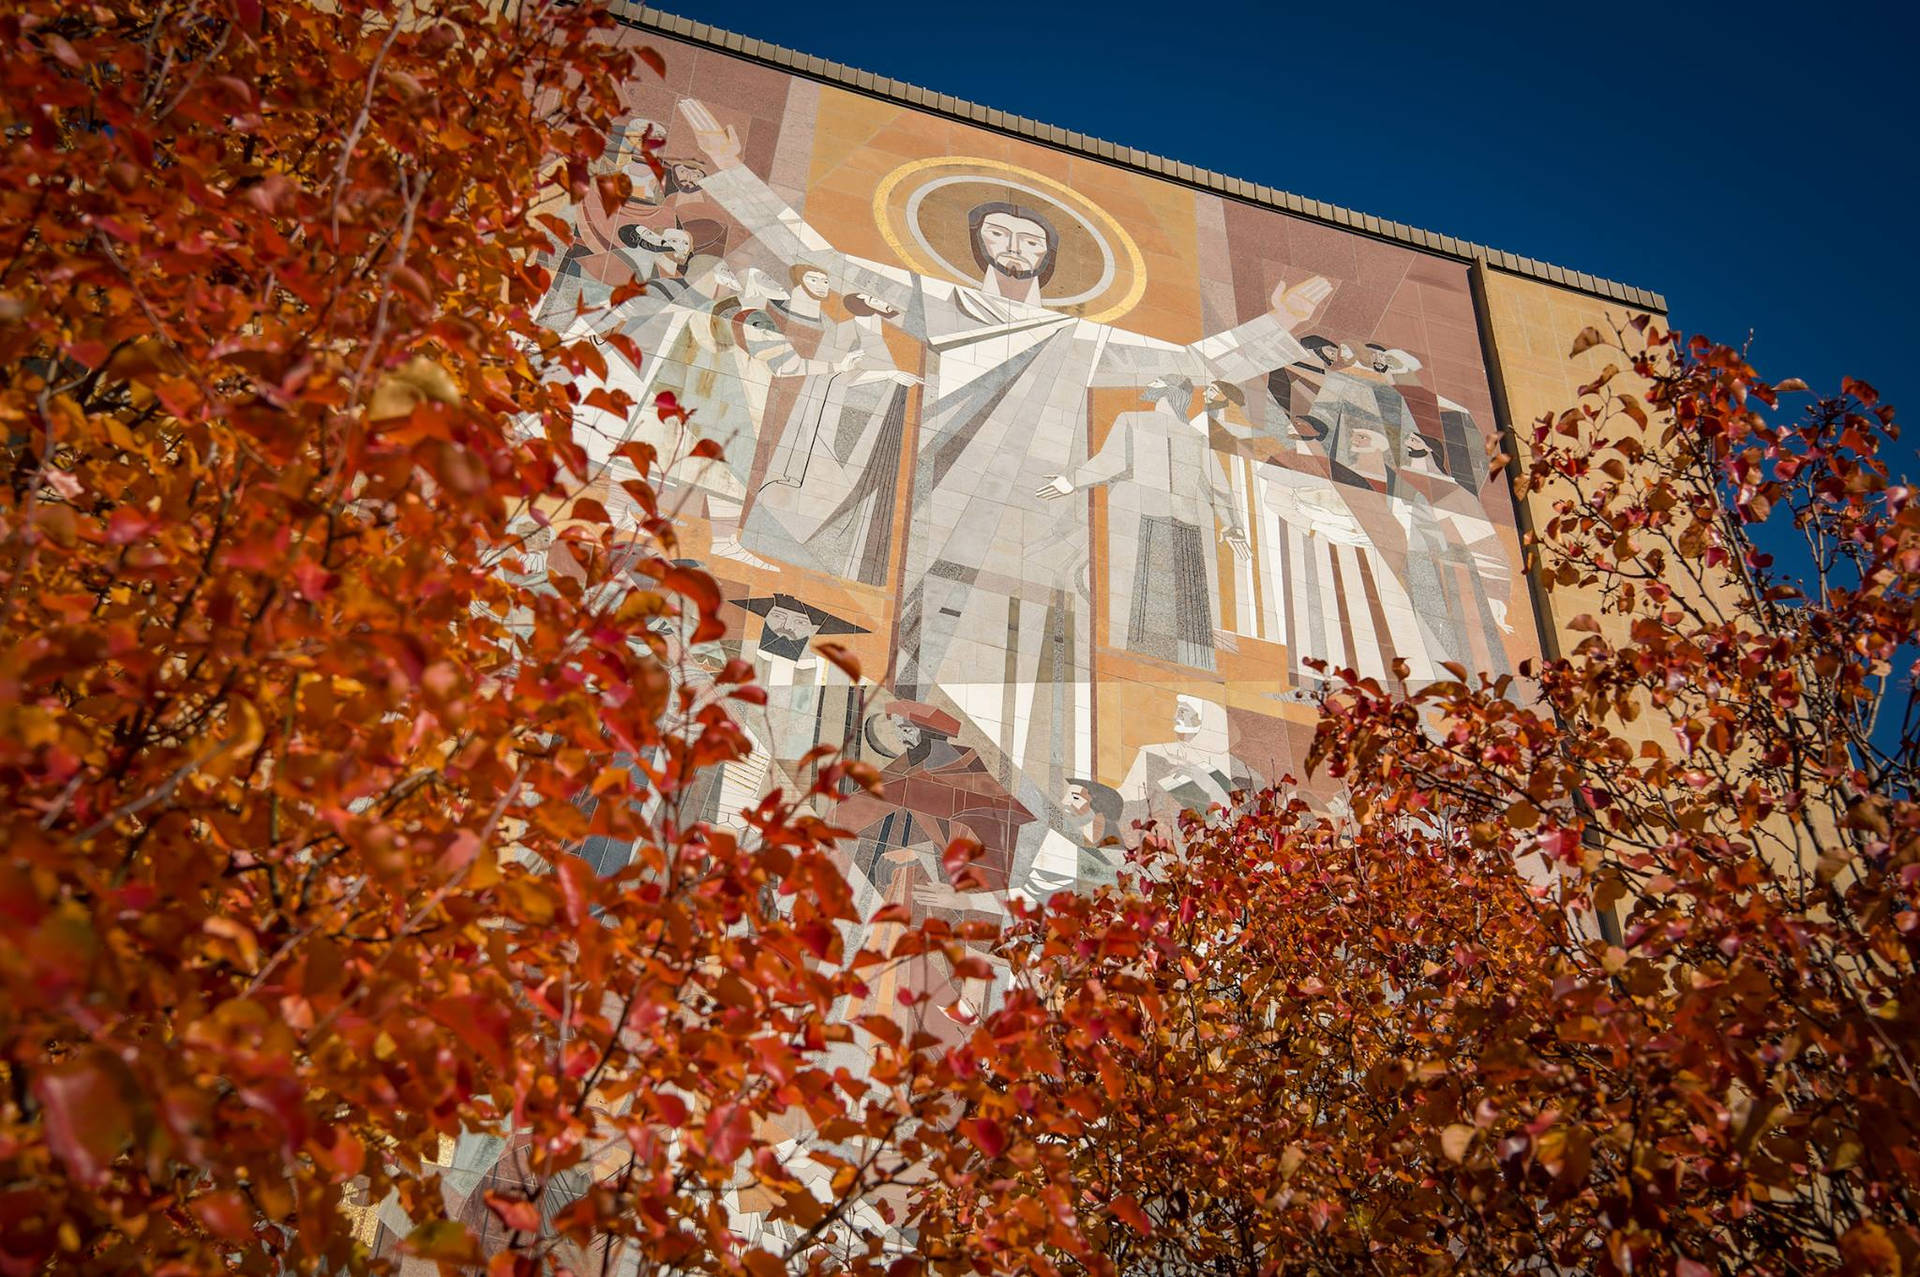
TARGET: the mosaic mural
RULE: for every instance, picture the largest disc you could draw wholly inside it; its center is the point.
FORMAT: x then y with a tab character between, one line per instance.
1093	472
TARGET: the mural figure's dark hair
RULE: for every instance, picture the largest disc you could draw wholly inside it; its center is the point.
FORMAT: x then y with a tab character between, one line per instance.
981	212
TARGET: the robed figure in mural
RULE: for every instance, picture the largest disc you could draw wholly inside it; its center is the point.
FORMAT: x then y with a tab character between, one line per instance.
994	614
1377	550
1165	492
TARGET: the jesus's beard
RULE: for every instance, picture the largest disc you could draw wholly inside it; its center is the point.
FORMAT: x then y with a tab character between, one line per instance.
1013	267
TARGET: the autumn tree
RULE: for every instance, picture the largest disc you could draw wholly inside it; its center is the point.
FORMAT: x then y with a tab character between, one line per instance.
299	745
1610	966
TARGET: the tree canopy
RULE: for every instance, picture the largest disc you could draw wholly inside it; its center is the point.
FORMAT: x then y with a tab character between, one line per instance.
323	676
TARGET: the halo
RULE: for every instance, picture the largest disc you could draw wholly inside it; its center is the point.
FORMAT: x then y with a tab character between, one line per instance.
921	209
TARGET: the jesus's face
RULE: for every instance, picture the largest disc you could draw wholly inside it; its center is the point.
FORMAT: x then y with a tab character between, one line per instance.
1016	247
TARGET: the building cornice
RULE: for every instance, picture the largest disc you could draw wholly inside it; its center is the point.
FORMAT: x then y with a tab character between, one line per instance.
842	76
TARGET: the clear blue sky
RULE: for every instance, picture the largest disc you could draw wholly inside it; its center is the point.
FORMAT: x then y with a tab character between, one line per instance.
1755	163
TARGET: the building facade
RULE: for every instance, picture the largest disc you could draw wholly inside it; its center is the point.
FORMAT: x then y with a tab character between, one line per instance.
1098	464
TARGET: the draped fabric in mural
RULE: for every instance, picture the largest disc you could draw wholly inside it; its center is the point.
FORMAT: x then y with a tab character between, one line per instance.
1093	472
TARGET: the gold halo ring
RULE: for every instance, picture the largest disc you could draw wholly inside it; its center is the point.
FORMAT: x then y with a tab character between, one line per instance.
1099	270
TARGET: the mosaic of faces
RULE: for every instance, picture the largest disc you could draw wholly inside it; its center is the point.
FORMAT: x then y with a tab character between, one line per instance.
1098	476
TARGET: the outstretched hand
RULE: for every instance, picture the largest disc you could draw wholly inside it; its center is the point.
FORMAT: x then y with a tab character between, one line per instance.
1058	486
721	144
1295	305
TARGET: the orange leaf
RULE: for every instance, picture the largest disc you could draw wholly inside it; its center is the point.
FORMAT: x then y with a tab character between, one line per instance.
703	592
1127	1207
1586	340
516	1213
841	659
442	1239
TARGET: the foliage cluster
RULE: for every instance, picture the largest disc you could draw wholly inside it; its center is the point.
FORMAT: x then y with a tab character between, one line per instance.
1608	968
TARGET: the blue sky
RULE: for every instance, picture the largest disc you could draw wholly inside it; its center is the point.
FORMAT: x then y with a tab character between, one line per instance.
1755	163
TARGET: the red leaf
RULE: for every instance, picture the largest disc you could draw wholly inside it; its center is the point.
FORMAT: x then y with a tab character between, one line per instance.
576	888
987	1135
640	455
342	1153
728	1128
1128	1209
224	1214
65	52
125	526
116	228
310	580
613	189
666	406
86	1116
516	1213
958	860
817	936
652	58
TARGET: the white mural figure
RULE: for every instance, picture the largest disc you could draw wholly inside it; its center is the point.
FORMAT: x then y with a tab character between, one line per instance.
1165	489
993	615
1378	551
1188	773
832	484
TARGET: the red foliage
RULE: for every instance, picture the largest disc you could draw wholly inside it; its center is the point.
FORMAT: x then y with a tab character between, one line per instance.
299	743
1606	968
1609	968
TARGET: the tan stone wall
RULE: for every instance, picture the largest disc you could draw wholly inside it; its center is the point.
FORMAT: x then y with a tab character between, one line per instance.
1530	327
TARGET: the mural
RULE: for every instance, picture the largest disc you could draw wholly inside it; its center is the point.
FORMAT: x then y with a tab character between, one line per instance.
1094	473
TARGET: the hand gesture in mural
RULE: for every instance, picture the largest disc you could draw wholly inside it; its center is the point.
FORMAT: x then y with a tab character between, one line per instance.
1295	305
1499	609
1236	540
1058	486
939	895
722	145
892	376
